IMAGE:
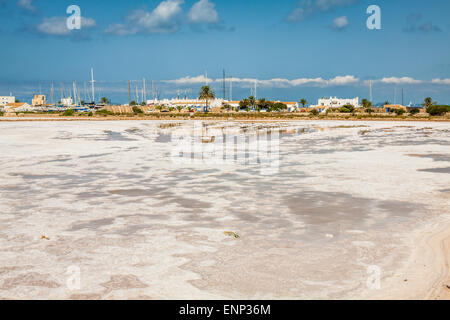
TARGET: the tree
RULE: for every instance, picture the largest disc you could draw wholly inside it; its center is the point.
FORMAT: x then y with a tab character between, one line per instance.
303	102
386	103
428	102
252	101
314	112
105	100
133	103
243	104
262	103
369	111
438	110
179	108
17	100
351	108
206	93
366	103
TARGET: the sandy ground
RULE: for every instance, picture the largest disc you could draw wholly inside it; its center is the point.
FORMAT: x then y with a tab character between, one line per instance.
138	210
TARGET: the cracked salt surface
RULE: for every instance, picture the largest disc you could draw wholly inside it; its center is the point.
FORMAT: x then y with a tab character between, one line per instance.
138	224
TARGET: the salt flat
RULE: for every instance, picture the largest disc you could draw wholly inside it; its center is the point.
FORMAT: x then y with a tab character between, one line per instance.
138	209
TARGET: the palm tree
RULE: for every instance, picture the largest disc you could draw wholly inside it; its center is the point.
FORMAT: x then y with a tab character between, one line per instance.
303	102
365	103
206	93
179	108
104	100
252	101
428	102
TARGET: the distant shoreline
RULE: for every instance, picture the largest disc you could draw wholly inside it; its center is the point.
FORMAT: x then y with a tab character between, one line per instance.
220	117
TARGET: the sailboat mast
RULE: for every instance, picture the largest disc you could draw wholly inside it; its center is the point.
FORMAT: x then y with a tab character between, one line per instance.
93	86
145	91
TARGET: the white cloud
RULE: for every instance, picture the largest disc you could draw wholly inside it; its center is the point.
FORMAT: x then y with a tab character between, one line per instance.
402	80
189	80
340	23
26	5
342	81
165	18
307	8
57	26
275	82
441	81
203	11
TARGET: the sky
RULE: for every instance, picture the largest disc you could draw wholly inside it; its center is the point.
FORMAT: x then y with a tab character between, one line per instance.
291	49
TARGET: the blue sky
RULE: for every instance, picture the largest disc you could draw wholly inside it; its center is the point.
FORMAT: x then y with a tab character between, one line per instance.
292	48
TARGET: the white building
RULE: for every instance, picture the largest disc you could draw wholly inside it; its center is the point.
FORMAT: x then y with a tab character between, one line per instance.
186	103
4	100
67	102
337	103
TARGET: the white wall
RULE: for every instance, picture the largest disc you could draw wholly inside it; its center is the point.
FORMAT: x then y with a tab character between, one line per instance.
337	103
4	100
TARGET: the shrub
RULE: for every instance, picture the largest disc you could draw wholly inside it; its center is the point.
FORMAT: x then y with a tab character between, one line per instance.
314	112
104	112
349	107
438	110
69	113
1	113
399	112
137	110
90	114
414	111
344	110
369	111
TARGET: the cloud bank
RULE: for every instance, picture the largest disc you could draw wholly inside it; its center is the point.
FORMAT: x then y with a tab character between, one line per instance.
307	8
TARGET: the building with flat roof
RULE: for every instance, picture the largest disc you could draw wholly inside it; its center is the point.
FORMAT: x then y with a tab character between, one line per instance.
38	100
337	102
4	100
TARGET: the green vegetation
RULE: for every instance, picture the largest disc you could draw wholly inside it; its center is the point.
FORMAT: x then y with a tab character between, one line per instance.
369	110
1	113
104	112
366	103
414	111
17	101
90	114
137	110
438	110
179	108
348	108
398	112
206	93
314	112
69	113
105	100
133	103
304	102
428	102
